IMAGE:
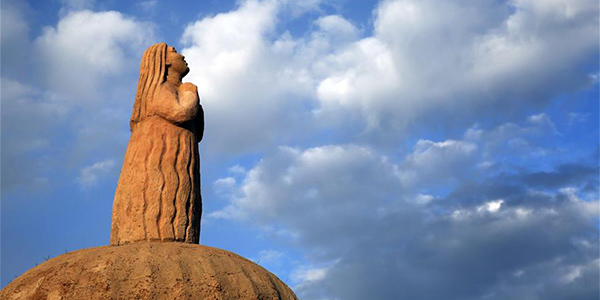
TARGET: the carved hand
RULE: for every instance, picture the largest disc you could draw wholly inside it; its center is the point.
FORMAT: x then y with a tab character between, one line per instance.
188	95
188	87
177	107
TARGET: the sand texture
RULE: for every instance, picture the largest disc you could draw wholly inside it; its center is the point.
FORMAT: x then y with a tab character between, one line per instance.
158	193
150	270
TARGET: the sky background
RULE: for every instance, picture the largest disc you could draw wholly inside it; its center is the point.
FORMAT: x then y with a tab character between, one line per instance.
395	149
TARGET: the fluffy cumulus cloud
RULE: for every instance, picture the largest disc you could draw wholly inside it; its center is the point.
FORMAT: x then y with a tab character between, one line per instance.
86	47
425	63
374	227
242	75
74	82
456	60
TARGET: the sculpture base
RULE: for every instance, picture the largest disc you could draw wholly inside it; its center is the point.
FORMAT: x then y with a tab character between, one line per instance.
148	271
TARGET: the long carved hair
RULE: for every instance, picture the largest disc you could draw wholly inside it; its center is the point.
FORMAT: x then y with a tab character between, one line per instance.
152	74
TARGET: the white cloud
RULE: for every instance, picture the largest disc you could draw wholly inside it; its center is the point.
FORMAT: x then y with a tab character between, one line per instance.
491	206
451	57
543	122
443	161
85	47
328	173
306	275
423	199
242	76
307	278
91	175
426	63
237	169
334	31
224	185
270	256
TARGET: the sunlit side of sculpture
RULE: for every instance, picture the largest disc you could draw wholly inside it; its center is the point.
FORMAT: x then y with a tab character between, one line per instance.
158	193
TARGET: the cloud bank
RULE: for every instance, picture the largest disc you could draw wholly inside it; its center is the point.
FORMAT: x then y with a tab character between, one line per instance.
446	221
425	64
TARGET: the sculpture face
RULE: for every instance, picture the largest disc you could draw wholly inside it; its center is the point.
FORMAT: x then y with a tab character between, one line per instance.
176	62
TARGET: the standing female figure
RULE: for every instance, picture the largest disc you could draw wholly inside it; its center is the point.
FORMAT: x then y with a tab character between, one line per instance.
158	194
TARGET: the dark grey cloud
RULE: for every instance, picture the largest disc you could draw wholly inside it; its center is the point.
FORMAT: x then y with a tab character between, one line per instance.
566	174
497	232
519	252
474	256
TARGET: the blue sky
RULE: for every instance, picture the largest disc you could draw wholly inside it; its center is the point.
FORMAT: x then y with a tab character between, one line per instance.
394	149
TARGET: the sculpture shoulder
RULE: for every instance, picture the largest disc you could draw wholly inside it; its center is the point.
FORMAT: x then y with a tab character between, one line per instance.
171	89
167	92
167	88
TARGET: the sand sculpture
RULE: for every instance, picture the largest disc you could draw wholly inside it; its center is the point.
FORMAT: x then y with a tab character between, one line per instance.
154	251
158	194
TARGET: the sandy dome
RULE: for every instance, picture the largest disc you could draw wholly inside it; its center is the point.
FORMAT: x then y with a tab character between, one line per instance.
148	271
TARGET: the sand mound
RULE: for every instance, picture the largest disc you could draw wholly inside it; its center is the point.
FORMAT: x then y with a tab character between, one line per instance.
148	271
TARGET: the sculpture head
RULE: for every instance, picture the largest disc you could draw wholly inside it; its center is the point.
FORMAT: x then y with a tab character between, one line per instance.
157	62
176	62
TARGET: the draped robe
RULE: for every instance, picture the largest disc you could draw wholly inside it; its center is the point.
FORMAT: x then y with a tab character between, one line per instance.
158	194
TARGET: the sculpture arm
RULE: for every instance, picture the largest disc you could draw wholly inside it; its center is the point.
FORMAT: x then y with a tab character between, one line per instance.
177	107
